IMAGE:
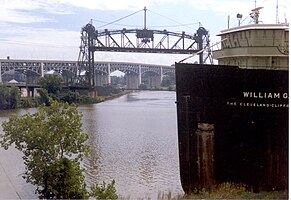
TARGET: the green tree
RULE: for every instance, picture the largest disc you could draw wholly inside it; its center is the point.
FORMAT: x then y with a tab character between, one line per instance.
64	180
9	97
69	97
14	97
166	83
142	86
168	80
52	83
46	138
44	96
104	192
4	95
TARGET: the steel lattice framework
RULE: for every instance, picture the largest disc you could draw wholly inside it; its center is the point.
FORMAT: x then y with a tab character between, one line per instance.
146	41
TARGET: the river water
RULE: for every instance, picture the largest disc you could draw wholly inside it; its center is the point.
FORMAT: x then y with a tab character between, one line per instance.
133	140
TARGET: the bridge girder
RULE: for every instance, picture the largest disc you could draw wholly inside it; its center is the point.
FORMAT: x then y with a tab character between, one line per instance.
38	66
122	41
20	66
72	66
167	41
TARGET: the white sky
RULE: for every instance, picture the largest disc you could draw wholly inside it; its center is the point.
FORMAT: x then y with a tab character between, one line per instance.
50	29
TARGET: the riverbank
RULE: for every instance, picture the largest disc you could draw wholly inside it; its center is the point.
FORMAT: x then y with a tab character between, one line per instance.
236	191
7	191
113	96
12	185
33	102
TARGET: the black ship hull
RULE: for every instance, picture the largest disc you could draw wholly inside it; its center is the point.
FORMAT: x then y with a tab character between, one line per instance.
232	126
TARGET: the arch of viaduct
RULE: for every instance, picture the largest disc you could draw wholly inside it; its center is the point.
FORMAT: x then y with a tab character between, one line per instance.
133	71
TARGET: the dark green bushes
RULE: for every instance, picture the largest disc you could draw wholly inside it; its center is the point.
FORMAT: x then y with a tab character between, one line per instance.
9	97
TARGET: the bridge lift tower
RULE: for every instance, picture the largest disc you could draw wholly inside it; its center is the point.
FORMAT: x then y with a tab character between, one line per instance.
123	41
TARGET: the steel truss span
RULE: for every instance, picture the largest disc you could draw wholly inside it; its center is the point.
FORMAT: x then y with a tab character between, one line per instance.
141	41
146	41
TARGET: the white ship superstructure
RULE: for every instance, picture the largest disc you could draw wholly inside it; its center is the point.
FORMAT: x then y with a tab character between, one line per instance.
255	46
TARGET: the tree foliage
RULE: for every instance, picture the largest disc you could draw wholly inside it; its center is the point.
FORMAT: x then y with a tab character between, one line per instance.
64	180
46	138
142	86
44	96
168	80
69	97
9	97
52	83
104	192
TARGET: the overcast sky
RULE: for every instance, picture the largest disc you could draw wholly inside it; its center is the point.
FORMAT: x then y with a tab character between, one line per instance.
50	29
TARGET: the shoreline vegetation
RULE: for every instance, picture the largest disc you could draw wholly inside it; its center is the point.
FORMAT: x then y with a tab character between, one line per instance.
53	86
230	190
226	190
10	97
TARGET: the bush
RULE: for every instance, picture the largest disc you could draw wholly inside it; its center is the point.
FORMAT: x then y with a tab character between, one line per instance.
142	87
69	97
103	191
52	83
235	191
9	97
64	180
26	103
44	96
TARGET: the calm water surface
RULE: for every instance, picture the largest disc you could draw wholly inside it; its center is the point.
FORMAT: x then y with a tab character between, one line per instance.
133	140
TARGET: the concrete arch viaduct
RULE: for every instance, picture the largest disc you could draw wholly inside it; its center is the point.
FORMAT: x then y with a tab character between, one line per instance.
102	70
